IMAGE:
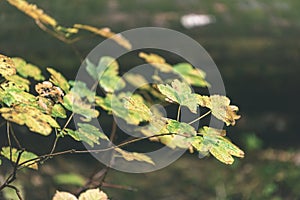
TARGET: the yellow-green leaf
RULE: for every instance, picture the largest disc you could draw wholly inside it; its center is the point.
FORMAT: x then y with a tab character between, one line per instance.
27	69
220	108
87	133
130	156
106	72
74	103
181	93
7	67
11	93
107	33
24	156
192	75
213	141
31	116
156	61
59	80
58	111
18	80
33	11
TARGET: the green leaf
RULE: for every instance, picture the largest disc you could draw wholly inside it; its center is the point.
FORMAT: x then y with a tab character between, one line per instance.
82	90
87	133
58	111
27	69
93	194
156	61
192	75
181	93
24	157
181	132
59	80
74	103
213	141
220	108
11	93
63	196
130	156
106	72
32	117
69	179
7	67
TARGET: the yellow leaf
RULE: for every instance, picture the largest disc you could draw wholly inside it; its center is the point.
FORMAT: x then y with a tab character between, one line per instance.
106	32
7	67
33	11
93	194
64	196
157	61
32	117
130	156
220	108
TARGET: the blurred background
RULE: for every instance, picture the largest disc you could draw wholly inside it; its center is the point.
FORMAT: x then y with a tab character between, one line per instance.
256	47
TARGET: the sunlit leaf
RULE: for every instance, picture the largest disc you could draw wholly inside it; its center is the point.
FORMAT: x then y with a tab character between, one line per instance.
69	179
123	106
58	111
24	157
59	80
213	141
106	32
93	194
180	133
181	93
135	104
220	108
33	11
156	61
130	156
11	93
64	196
7	67
31	116
106	72
192	75
18	80
74	103
27	69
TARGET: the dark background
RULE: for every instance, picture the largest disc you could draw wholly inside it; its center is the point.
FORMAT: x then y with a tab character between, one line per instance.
256	47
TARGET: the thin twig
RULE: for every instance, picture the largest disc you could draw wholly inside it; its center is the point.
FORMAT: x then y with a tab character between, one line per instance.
15	137
9	142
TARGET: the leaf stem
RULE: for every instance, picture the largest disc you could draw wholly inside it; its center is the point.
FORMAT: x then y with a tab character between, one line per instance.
199	118
178	112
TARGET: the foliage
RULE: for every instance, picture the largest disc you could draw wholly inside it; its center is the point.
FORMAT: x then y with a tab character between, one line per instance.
57	97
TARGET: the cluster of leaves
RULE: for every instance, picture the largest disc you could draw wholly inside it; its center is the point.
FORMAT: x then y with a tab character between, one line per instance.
57	97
